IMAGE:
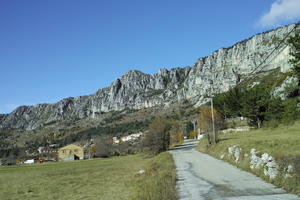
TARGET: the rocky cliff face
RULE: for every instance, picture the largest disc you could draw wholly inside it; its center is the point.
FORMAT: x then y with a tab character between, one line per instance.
216	73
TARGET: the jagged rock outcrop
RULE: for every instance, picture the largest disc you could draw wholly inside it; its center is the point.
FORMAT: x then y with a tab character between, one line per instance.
265	161
216	73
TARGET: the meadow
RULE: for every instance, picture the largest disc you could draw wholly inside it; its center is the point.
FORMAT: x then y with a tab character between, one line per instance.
110	178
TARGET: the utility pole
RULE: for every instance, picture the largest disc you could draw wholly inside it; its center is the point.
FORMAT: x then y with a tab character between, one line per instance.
213	121
194	123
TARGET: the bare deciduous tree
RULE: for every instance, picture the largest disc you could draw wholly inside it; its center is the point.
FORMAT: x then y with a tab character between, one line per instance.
206	123
158	137
104	146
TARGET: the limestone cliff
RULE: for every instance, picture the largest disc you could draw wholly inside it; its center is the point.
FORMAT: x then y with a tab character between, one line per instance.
216	73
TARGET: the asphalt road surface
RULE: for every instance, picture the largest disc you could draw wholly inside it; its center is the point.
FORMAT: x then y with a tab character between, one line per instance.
202	177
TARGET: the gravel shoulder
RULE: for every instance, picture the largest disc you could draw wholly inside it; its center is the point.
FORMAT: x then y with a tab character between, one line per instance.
203	177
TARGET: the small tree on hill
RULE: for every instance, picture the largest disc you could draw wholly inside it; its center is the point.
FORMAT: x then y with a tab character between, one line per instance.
229	102
255	103
294	42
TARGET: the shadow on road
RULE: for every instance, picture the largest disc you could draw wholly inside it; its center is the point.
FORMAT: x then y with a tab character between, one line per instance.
188	144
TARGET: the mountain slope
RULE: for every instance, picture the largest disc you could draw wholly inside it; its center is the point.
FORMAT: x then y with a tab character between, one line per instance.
216	73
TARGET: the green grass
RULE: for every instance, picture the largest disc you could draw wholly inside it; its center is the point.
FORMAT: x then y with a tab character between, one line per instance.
111	179
283	143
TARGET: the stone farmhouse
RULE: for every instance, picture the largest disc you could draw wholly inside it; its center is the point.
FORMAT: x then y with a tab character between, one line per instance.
71	152
76	152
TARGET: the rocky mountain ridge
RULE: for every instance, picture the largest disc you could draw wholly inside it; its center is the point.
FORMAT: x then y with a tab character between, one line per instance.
216	73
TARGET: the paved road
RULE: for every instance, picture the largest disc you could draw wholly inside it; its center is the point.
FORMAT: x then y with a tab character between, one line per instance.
202	177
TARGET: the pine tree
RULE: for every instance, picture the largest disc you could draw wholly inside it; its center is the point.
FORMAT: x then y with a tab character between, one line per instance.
294	42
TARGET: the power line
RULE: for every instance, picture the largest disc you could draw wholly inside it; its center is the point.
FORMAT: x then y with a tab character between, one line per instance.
279	46
269	55
282	41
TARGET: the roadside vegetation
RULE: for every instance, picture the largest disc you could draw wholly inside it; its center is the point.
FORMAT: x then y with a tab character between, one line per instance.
159	180
108	179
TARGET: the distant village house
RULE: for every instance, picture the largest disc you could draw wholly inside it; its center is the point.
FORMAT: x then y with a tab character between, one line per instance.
131	137
71	152
76	152
128	138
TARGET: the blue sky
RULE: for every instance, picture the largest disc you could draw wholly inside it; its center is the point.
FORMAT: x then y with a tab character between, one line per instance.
53	49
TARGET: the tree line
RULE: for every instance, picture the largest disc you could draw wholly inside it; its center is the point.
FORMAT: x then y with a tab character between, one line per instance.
259	103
